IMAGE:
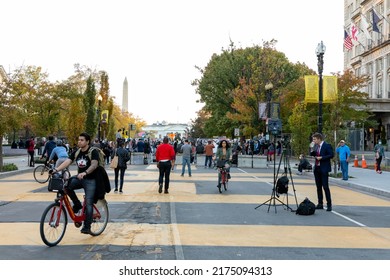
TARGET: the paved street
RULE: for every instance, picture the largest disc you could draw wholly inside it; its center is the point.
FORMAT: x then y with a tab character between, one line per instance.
196	222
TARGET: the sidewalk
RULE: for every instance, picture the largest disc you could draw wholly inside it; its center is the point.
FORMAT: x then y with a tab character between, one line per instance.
361	178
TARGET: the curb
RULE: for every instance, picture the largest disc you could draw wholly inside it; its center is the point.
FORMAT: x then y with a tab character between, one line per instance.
12	173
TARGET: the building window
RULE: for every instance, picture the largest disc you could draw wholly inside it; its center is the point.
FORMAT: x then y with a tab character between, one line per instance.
358	72
379	65
369	90
379	89
369	68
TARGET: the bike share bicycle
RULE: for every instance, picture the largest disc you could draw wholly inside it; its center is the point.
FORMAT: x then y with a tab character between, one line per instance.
54	219
223	175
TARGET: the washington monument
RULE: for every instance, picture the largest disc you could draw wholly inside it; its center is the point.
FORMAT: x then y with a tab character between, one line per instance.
125	98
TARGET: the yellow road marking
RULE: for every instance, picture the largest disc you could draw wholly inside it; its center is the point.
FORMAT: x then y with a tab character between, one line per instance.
124	234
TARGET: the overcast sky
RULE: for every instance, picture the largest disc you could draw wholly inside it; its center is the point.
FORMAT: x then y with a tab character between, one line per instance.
157	43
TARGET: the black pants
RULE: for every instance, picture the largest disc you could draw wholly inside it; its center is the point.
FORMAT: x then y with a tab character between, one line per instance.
378	163
31	158
122	175
165	171
322	182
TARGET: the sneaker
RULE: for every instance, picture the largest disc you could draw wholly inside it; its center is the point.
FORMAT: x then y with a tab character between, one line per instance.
116	190
76	208
299	173
160	189
219	189
190	175
120	191
85	230
166	191
319	206
329	208
182	175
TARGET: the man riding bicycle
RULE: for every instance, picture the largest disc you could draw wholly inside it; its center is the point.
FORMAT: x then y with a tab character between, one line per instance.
86	178
224	153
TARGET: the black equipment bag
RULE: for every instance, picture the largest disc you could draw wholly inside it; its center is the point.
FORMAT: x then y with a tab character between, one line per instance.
282	185
306	208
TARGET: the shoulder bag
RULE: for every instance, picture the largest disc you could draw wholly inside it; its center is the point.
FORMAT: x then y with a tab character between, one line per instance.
114	161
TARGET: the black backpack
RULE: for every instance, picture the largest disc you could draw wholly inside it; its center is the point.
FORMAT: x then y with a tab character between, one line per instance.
282	185
306	207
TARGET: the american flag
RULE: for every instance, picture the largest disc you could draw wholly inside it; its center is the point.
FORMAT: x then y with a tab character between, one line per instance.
347	41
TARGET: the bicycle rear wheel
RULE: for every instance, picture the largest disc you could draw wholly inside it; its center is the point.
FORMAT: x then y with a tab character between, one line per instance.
41	174
53	224
100	217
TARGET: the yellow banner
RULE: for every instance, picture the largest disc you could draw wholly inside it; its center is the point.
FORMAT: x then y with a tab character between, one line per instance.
330	91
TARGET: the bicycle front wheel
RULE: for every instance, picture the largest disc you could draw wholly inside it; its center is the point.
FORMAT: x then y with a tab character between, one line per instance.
53	224
41	174
100	217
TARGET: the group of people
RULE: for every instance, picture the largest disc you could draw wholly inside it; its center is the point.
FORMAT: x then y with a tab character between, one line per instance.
90	179
166	157
323	153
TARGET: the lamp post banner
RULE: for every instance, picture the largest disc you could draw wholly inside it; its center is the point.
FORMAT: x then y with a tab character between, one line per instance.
311	89
330	91
262	110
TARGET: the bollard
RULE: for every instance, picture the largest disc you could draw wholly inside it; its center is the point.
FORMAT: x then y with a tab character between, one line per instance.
356	161
364	163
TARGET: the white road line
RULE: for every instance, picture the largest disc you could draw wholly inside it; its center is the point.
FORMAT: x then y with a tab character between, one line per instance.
175	232
334	212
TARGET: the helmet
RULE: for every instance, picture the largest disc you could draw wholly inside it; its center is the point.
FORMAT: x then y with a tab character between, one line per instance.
59	142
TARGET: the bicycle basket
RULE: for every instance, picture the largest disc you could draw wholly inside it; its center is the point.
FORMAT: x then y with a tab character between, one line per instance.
221	163
55	184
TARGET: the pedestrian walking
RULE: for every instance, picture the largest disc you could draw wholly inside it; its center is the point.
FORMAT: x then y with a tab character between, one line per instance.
164	157
123	157
30	150
379	151
344	154
186	150
209	154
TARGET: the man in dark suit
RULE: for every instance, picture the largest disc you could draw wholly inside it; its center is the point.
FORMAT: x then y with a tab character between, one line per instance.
322	152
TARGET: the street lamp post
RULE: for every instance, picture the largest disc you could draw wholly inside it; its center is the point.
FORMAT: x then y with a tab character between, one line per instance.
99	117
320	51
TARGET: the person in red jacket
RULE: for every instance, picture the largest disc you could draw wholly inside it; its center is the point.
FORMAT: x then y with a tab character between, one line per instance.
164	157
30	150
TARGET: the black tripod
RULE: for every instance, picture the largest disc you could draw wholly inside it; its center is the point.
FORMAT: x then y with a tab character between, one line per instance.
286	164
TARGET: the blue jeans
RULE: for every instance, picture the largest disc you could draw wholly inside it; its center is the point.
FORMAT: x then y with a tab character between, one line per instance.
186	161
89	186
208	160
344	169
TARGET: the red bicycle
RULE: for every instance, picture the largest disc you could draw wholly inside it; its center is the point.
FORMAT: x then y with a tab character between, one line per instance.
223	175
54	219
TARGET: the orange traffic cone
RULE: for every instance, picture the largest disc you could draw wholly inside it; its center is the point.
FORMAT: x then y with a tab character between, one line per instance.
356	162
364	163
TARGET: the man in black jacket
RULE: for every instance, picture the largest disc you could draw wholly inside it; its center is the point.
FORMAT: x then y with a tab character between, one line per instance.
323	153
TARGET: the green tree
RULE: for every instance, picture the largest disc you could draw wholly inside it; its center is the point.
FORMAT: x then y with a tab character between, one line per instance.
91	120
